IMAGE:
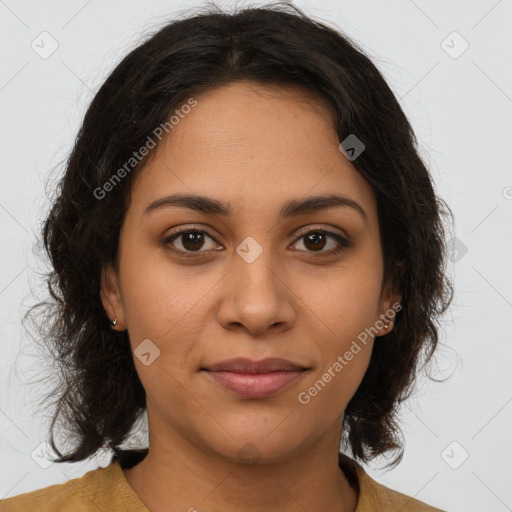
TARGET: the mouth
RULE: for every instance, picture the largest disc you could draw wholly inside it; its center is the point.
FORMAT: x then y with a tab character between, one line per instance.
255	379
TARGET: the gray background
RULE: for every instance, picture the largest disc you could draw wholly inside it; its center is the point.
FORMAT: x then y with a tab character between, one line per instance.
460	105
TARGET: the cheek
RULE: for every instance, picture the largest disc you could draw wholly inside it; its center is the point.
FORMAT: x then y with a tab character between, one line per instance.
345	301
160	299
344	344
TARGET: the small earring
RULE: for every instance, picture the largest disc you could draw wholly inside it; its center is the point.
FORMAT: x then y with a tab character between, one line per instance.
114	322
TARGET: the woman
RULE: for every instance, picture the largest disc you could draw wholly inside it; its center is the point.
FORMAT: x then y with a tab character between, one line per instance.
246	246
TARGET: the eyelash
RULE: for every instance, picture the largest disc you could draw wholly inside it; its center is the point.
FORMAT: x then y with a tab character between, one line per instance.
343	243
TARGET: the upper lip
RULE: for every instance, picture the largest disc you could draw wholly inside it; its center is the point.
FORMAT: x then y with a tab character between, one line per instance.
244	365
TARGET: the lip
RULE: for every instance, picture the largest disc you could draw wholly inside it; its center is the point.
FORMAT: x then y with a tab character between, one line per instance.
255	379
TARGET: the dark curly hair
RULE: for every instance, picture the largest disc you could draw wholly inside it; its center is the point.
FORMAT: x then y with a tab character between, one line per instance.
99	397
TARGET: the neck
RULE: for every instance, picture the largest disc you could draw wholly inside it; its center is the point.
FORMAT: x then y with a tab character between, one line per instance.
192	479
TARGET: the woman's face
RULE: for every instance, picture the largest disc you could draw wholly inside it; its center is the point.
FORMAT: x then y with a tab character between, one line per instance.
260	282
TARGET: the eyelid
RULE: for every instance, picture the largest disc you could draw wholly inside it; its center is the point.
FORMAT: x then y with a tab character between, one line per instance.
318	227
301	230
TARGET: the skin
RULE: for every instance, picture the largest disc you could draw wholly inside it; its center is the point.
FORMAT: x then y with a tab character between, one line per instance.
254	147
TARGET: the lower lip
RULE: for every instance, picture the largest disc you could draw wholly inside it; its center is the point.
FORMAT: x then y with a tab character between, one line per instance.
255	385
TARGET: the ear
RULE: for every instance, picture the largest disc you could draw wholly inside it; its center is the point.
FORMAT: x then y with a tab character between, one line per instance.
110	294
390	300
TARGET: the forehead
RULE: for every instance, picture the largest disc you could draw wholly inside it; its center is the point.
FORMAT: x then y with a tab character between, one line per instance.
249	144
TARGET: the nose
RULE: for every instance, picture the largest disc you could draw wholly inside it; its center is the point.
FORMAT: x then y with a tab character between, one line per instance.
256	297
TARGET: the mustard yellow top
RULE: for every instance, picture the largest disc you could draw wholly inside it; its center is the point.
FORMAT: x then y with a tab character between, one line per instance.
107	489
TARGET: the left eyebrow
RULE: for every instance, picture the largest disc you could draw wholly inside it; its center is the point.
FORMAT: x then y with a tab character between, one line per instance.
293	208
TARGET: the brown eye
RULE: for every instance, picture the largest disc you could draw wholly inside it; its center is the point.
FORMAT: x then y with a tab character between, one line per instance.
191	241
316	241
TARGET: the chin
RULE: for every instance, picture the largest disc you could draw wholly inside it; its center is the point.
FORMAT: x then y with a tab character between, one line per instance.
258	449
